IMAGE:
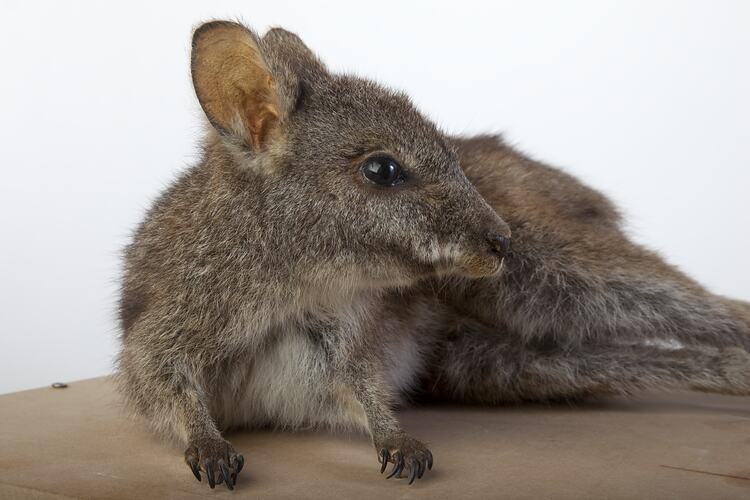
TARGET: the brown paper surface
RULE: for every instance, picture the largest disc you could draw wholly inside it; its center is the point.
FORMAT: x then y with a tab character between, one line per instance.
76	442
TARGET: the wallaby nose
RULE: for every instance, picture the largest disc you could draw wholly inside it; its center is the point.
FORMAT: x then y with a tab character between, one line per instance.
500	245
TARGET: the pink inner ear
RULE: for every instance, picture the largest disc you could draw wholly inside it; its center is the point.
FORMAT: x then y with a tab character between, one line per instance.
232	81
259	124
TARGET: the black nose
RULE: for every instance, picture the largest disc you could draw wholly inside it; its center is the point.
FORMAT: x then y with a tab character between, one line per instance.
500	245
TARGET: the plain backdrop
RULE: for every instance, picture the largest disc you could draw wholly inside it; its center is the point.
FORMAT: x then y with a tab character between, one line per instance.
648	101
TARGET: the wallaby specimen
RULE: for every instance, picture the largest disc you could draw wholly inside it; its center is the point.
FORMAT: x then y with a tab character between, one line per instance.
334	253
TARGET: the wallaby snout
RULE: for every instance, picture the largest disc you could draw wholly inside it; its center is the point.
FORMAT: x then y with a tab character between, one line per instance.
484	240
499	245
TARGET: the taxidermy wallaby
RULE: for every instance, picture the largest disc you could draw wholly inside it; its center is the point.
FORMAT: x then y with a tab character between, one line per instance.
334	254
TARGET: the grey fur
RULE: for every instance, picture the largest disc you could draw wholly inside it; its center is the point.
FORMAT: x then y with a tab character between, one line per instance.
270	285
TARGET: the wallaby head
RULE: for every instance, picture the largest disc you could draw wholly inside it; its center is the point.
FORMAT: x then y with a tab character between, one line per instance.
354	180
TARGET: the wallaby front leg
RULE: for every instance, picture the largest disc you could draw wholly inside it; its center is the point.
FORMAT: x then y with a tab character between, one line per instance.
177	407
207	450
391	442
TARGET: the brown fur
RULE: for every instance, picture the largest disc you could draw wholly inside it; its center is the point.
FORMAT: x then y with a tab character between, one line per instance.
273	284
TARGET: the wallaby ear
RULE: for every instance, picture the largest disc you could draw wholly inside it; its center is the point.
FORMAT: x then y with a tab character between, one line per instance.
233	83
289	49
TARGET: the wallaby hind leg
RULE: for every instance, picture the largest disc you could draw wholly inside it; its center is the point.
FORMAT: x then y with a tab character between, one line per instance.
487	367
740	310
575	275
575	298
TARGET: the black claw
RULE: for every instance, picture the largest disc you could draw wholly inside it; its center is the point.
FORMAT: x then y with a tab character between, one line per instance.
420	473
399	465
239	463
429	460
209	466
196	470
226	476
413	470
385	456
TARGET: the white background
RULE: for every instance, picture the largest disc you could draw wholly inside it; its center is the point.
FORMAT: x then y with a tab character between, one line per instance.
648	101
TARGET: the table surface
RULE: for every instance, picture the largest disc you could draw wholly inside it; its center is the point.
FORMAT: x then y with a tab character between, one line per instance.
77	443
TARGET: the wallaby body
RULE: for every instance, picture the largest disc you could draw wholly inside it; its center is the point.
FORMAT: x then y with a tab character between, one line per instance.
334	254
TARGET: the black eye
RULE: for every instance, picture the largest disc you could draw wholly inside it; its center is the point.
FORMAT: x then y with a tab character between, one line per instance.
383	170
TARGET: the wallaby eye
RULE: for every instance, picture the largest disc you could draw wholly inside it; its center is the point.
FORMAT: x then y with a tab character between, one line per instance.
383	170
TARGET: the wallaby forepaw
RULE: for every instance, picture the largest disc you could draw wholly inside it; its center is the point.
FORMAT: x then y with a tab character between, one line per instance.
217	459
406	454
